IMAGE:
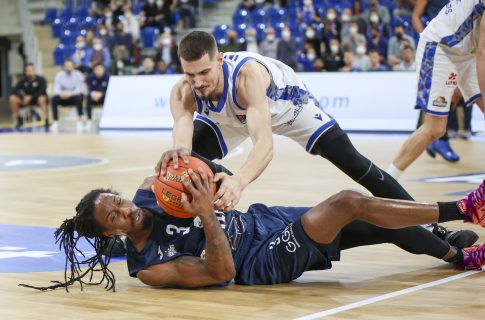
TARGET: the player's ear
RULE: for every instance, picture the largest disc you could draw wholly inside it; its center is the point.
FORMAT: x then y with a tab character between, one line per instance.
108	234
220	58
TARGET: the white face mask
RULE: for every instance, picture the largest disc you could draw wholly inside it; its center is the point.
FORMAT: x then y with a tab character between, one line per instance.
310	34
307	2
166	41
103	32
151	1
360	50
97	46
286	35
331	16
311	56
159	3
353	30
108	14
345	18
80	45
374	18
270	37
334	48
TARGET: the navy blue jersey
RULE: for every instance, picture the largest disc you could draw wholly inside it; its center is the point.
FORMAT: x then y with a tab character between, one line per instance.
97	84
268	245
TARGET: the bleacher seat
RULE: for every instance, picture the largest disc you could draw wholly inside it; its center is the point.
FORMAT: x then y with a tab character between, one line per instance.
65	14
220	31
72	25
241	30
59	55
260	31
240	16
68	38
88	23
81	13
277	15
258	16
149	37
50	16
57	27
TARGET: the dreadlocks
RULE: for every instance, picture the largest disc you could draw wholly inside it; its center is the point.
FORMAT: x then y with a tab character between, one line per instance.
68	235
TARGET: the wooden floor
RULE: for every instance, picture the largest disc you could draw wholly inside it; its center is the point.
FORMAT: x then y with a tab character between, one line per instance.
378	282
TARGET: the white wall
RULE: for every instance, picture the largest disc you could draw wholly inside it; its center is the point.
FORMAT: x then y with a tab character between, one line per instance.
359	101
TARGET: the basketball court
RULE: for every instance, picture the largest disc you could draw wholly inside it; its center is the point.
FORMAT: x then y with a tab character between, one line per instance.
43	176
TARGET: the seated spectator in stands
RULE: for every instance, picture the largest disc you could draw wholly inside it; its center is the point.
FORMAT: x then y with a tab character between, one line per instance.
188	13
148	67
131	25
318	65
287	49
331	26
30	90
168	53
122	47
98	7
407	62
118	8
232	44
156	14
269	46
78	57
353	39
68	86
375	62
349	62
308	15
378	43
307	59
396	43
346	20
361	59
404	8
162	68
333	58
104	34
313	39
99	53
97	84
376	22
373	9
251	43
249	5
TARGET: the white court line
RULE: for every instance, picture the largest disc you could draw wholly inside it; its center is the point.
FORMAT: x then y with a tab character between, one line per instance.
386	296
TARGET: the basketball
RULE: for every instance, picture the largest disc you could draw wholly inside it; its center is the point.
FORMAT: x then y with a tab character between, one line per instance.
168	189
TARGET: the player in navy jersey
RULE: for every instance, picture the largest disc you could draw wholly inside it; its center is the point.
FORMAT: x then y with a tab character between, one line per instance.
265	245
240	95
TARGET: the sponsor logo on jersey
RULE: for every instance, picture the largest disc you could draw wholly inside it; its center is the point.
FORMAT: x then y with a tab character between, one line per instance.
440	102
241	118
452	80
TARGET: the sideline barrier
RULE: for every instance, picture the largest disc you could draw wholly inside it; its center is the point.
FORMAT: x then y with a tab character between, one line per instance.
369	101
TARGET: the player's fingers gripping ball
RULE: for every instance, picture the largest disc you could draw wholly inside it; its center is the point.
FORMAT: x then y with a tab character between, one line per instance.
168	189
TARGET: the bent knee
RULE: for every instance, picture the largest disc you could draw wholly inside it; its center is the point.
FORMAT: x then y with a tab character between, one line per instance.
349	201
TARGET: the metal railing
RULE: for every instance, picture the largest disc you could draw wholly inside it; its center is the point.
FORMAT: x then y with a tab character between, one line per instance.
31	43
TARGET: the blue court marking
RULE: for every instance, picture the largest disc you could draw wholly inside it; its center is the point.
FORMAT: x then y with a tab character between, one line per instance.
33	249
473	178
10	163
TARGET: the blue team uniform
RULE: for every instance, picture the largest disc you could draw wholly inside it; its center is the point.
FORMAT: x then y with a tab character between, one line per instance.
268	243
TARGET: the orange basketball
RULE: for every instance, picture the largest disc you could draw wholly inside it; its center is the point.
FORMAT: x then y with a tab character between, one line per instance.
168	189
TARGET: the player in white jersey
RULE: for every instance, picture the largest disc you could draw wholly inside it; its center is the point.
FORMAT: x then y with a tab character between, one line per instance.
451	53
241	95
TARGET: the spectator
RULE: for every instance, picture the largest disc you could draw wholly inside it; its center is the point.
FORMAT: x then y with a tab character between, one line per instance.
249	5
156	14
376	11
318	65
131	25
396	43
188	13
251	43
378	43
98	7
361	59
375	61
376	22
97	54
308	14
168	53
404	8
407	63
233	44
333	57
97	84
68	86
307	59
269	46
122	47
349	62
118	8
148	67
29	90
346	20
312	39
78	57
89	38
332	26
287	49
354	38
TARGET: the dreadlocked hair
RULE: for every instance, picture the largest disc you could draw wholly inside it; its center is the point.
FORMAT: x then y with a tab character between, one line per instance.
83	225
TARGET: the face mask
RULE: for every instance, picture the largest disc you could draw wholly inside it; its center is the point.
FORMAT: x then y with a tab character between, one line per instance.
259	1
166	41
128	15
310	34
97	46
311	56
286	34
270	37
80	45
331	16
151	2
159	3
103	32
334	48
308	2
345	18
353	30
360	50
109	14
374	18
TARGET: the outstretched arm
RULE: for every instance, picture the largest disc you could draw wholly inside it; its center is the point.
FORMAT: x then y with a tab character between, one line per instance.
418	12
251	94
192	272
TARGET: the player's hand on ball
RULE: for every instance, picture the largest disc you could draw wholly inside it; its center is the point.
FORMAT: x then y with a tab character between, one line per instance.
229	193
202	193
174	155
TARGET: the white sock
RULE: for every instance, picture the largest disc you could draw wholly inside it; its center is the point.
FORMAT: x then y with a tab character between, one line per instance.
394	172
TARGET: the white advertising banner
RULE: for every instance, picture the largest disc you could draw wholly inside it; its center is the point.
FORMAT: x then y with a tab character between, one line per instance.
374	101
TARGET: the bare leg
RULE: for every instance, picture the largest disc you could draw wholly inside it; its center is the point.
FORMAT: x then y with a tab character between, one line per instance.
42	101
433	128
480	103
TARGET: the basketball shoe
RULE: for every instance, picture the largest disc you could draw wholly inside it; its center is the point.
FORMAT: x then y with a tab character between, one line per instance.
443	148
473	206
459	238
473	258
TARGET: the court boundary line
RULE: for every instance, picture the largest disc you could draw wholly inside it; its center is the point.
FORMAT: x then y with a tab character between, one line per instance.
386	296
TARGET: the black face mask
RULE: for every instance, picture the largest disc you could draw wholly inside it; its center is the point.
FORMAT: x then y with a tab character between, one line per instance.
399	36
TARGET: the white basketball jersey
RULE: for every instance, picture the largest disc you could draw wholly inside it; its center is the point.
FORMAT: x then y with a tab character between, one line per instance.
456	26
284	93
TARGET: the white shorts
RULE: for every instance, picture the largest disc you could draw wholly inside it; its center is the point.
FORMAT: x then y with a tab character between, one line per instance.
308	124
439	72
